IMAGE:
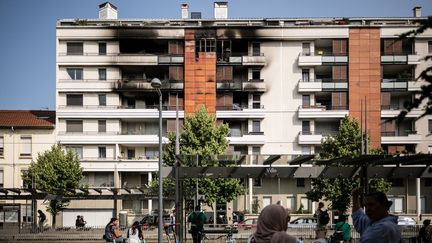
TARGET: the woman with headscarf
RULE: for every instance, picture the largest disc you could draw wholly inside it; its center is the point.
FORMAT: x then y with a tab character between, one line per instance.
272	226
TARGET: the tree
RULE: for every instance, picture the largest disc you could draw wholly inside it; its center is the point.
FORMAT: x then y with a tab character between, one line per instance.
424	97
200	141
53	172
338	190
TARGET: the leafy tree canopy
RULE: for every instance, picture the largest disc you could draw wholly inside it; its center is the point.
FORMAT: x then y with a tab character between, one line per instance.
54	171
338	190
200	140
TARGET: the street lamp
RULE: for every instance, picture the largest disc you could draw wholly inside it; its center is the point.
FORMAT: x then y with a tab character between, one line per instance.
157	84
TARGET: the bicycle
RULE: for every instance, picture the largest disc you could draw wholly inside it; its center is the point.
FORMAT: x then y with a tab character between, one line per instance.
229	236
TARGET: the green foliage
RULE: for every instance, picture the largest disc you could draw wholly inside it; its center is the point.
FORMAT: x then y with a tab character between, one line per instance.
424	98
53	172
346	143
200	140
338	190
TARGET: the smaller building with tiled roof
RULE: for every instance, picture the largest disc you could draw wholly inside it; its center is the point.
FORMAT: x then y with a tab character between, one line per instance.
30	119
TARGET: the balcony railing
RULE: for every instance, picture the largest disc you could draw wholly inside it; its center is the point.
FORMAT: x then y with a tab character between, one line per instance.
398	134
235	107
323	133
325	107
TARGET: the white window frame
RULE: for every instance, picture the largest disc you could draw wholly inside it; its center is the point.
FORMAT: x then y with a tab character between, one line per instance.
26	145
1	146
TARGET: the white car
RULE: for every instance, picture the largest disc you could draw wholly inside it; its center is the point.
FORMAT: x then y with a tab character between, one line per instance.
406	221
303	222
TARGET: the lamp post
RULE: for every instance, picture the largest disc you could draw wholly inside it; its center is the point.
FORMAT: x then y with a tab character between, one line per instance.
156	84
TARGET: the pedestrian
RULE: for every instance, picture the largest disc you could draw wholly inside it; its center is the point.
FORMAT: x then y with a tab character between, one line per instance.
135	234
42	218
272	226
197	219
111	232
342	230
322	220
376	225
423	235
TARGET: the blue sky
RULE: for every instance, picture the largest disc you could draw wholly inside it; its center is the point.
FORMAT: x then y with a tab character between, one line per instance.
27	27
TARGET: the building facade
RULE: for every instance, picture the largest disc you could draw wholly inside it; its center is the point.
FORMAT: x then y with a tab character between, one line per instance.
23	134
281	85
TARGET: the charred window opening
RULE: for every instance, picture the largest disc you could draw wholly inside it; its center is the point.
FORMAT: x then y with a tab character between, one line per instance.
141	73
205	45
143	46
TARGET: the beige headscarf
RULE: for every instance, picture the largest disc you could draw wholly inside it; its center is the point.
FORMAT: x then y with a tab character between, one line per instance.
272	226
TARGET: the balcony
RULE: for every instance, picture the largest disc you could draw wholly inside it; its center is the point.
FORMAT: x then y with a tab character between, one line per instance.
86	85
117	112
242	59
407	57
246	139
313	138
322	111
254	85
113	58
393	111
238	111
319	85
407	137
170	59
106	138
145	85
121	165
319	58
250	60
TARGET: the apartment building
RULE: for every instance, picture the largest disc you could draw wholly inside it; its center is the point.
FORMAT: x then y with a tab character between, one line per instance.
23	134
281	84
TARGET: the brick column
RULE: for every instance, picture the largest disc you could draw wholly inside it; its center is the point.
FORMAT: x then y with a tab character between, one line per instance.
365	79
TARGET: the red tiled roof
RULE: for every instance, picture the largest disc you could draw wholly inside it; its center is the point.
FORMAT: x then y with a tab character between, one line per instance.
27	119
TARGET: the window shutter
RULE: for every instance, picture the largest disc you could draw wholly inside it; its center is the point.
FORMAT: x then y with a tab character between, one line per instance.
385	100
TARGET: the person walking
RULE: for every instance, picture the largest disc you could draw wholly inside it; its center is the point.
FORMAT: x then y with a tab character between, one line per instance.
322	220
197	219
42	218
376	224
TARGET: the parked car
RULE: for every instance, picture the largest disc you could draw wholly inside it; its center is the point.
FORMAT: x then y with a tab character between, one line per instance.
248	223
406	221
303	222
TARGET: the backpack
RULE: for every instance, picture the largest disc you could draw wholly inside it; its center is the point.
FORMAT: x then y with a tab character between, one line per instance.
196	221
324	218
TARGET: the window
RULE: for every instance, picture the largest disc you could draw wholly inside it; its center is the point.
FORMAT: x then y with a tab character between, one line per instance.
305	202
257	182
397	182
74	48
256	126
306	128
74	126
131	103
75	73
25	185
26	146
151	152
291	203
306	150
255	205
131	153
266	201
102	48
98	179
256	49
102	73
205	45
429	46
102	152
1	145
1	178
300	182
430	126
256	74
306	49
77	150
102	99
305	75
102	126
428	182
305	101
397	206
422	204
255	151
74	100
256	101
176	73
